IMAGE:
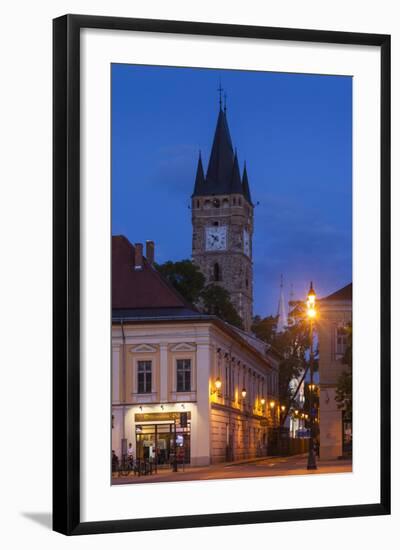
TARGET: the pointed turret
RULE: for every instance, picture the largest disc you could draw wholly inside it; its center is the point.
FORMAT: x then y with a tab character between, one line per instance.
221	158
223	174
236	184
199	182
245	185
282	318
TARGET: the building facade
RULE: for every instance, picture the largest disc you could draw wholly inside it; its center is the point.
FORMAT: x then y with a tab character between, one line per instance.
222	220
335	315
183	382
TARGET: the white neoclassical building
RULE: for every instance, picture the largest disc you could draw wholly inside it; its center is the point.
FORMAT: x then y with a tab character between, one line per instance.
183	381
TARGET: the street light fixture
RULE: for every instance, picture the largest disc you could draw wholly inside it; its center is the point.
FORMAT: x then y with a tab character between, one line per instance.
311	313
244	393
217	386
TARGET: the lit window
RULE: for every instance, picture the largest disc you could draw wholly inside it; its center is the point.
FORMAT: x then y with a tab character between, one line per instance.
144	376
183	375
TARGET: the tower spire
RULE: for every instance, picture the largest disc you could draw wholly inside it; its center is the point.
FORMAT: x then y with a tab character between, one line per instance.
282	317
245	184
236	184
199	181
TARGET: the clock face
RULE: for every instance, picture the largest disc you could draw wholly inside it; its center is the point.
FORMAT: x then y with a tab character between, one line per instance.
216	238
246	242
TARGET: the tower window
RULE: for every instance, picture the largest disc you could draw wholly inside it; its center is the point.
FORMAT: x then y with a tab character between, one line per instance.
234	201
240	202
216	203
216	272
215	224
198	204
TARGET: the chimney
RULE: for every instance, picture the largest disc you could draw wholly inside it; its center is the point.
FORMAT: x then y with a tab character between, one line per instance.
138	256
150	252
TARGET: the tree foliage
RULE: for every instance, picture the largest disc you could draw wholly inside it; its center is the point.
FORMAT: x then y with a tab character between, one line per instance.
265	328
189	281
344	388
216	301
186	277
293	344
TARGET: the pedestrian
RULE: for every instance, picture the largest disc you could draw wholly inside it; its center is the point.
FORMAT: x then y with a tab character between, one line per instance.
130	455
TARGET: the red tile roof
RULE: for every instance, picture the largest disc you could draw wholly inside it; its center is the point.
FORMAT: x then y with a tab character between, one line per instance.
145	288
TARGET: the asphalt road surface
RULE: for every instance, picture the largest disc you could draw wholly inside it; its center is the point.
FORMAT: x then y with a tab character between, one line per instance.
279	466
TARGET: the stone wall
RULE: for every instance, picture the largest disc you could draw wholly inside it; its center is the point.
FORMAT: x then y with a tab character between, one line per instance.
235	436
235	266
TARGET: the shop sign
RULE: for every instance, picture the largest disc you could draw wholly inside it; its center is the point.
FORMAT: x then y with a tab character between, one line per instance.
159	416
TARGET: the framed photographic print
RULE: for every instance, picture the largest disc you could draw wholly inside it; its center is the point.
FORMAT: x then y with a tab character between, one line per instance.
221	274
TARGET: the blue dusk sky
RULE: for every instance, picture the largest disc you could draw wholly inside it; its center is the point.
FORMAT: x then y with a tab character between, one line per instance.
293	130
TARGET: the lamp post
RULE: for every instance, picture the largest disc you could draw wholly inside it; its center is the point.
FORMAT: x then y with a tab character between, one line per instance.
311	313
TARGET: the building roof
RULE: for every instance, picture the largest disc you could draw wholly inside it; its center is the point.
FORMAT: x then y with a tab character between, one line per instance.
223	174
345	293
199	182
245	183
158	313
140	289
144	295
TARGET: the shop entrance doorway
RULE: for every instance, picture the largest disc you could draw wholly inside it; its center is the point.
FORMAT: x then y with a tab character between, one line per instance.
158	442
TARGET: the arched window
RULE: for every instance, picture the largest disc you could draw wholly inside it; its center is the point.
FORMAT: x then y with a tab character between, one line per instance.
217	272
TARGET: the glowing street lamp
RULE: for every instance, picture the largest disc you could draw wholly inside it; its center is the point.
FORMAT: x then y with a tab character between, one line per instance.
244	393
311	297
311	313
217	386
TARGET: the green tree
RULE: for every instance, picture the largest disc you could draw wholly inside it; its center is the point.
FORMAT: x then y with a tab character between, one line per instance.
344	388
189	281
186	277
216	301
265	328
293	344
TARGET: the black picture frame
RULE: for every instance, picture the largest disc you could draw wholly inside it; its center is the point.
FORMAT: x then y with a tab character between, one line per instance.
66	273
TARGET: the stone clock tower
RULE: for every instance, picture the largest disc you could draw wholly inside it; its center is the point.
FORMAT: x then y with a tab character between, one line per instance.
222	220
